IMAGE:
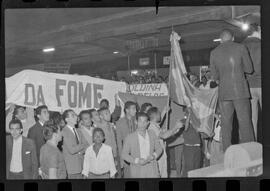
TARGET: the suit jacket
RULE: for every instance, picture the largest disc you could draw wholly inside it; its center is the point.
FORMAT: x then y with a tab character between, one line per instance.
253	45
122	131
131	151
73	152
87	137
36	134
229	62
29	157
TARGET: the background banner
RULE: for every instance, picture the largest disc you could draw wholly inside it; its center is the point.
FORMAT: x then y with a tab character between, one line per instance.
59	92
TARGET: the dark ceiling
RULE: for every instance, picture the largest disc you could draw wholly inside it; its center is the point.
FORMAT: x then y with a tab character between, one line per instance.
91	35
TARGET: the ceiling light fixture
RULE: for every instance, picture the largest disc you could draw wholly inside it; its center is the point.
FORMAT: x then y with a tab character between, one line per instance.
217	40
245	26
48	49
116	52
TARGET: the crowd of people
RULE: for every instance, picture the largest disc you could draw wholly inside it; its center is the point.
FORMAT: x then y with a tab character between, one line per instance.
99	144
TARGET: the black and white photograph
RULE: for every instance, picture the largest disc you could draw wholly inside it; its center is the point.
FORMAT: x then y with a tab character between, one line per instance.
126	92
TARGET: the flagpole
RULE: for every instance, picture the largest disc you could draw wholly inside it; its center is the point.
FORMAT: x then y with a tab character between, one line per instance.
169	89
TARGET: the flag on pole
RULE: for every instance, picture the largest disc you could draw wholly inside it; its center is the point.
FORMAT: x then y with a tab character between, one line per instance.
201	102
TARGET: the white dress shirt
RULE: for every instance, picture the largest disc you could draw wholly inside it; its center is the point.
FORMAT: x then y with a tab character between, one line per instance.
101	163
71	128
16	159
144	143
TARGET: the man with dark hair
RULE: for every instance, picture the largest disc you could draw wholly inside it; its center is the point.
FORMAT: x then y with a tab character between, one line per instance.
145	107
95	118
85	126
25	115
21	156
229	63
162	134
74	145
104	103
253	44
36	132
125	126
141	149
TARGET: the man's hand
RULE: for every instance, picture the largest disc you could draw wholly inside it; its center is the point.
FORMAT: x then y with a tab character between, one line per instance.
142	162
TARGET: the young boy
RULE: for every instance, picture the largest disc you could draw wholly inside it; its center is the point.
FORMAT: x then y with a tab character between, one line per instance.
98	159
142	149
192	145
163	134
109	130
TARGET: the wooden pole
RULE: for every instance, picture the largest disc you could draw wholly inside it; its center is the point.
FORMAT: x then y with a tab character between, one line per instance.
169	88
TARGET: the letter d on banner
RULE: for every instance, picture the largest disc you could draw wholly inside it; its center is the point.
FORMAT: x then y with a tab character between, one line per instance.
28	88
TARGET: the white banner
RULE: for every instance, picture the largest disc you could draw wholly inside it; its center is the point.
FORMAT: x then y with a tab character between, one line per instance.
149	89
59	92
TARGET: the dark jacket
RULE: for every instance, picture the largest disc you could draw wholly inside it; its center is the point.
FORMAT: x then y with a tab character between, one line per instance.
253	45
29	157
36	134
229	62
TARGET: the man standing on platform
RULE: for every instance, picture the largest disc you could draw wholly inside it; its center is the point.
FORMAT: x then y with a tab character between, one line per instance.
229	62
253	44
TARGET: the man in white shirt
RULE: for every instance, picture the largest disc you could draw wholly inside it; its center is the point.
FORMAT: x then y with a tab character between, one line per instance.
98	160
85	126
21	157
141	149
25	115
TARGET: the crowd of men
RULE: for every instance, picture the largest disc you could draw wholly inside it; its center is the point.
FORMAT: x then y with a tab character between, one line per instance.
99	144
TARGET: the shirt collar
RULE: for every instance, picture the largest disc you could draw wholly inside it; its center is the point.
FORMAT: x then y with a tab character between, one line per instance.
256	35
146	135
41	123
19	140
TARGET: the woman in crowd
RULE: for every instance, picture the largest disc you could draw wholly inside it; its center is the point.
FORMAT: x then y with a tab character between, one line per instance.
52	162
98	159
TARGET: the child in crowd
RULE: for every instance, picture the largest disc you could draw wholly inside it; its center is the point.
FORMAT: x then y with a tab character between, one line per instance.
192	145
217	154
98	159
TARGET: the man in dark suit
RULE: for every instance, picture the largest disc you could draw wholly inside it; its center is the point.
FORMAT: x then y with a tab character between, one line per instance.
21	157
253	44
229	62
36	132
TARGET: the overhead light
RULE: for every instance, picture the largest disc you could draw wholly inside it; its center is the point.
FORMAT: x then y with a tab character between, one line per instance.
48	49
116	52
245	26
217	40
134	72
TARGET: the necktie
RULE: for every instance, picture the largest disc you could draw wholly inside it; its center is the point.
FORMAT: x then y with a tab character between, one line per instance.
77	139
